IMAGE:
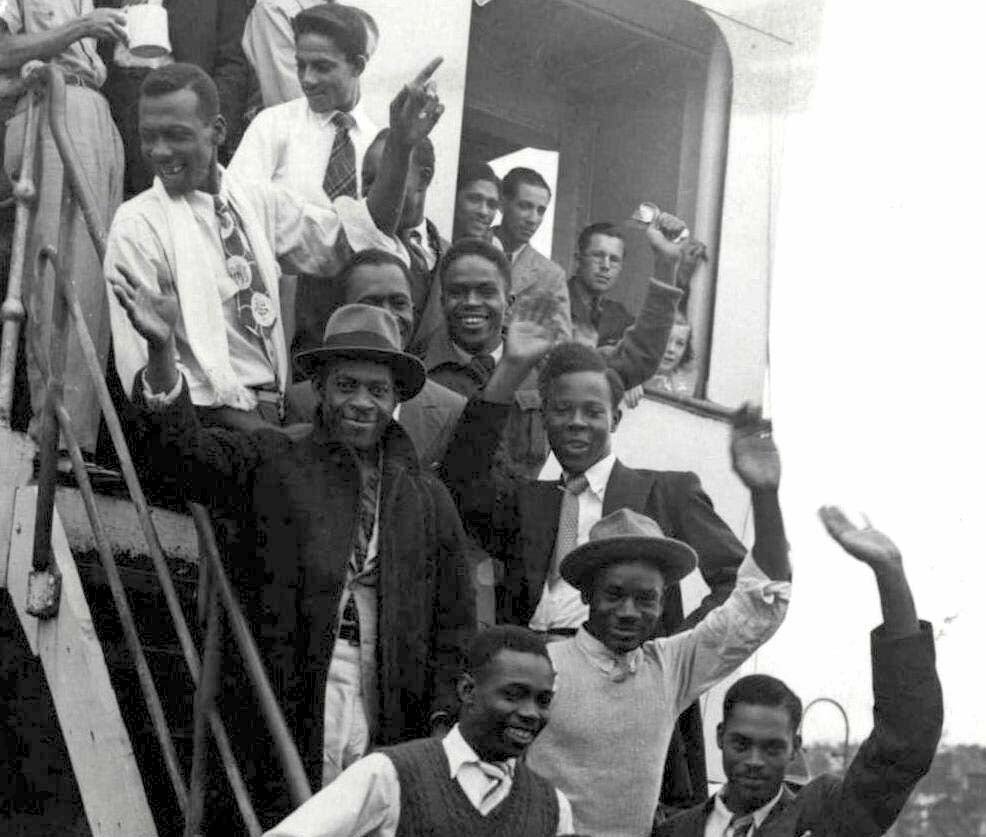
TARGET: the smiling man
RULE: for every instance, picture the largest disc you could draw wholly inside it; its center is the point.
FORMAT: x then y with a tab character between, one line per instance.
314	145
471	782
356	580
759	734
477	199
220	240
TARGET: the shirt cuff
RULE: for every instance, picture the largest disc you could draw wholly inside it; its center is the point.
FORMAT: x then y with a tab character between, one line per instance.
750	577
157	401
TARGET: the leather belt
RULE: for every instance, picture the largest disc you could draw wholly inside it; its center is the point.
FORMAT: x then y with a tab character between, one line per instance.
558	632
271	396
75	80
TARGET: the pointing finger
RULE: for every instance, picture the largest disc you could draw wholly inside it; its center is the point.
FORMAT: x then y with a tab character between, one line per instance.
426	73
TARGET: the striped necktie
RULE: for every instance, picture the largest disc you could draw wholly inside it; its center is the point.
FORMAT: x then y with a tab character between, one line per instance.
501	779
340	173
568	523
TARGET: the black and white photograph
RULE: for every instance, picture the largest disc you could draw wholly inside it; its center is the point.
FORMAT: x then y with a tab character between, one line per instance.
491	417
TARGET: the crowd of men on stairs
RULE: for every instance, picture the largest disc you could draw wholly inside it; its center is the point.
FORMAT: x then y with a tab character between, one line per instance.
370	407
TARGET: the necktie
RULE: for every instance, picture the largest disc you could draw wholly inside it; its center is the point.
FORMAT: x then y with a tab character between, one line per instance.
366	515
480	368
568	523
340	173
253	305
500	781
741	825
420	272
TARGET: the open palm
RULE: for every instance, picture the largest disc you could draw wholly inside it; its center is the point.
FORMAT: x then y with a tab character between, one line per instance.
533	328
754	454
153	314
866	544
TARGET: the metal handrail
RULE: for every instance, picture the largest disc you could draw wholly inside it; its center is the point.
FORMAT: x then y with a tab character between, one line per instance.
205	676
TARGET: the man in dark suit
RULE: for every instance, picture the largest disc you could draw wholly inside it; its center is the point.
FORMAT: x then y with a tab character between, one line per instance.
761	717
522	522
358	584
373	277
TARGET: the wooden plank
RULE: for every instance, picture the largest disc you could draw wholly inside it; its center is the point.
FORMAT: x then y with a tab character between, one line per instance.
16	460
176	531
88	713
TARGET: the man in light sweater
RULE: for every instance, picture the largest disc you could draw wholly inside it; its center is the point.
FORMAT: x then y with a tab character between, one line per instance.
468	783
619	693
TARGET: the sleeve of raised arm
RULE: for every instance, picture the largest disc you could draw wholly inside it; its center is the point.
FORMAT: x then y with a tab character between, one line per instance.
637	355
213	466
365	799
907	724
727	636
468	470
720	552
319	239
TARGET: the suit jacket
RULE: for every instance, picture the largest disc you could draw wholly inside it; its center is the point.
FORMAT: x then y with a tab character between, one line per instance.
429	418
907	717
516	521
607	322
430	322
294	498
532	272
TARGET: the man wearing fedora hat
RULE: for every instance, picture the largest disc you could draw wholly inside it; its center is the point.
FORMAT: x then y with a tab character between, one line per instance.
618	685
360	589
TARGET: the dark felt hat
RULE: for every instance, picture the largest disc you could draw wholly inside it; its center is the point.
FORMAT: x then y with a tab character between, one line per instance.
365	332
623	536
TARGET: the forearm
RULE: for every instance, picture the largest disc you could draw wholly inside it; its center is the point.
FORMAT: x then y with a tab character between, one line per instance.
770	548
638	354
386	197
899	614
17	50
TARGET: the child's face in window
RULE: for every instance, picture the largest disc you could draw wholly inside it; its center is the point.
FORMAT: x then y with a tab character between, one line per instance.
675	350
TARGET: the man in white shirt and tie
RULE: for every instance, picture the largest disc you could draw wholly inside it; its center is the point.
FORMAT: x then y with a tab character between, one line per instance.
469	782
315	144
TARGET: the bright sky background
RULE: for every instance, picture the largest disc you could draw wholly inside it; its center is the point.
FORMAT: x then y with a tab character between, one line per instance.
877	336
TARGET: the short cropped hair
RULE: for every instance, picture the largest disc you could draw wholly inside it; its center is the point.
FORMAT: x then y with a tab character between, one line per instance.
568	358
341	24
471	172
763	690
370	258
486	644
518	176
470	246
607	228
180	76
422	155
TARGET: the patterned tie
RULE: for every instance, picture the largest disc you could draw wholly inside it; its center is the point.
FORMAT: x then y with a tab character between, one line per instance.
253	304
741	825
366	515
340	173
481	368
568	523
420	272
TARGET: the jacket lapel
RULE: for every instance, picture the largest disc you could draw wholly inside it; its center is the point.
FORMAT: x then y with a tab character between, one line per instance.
626	489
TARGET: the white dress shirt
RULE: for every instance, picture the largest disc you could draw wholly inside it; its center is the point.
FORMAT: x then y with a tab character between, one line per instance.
290	144
561	605
717	825
366	798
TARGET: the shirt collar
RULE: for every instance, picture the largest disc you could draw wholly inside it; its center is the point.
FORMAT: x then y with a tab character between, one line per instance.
510	254
459	753
602	658
358	113
758	816
598	475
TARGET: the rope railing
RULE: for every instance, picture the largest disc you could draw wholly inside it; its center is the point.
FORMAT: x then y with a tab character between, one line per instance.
216	593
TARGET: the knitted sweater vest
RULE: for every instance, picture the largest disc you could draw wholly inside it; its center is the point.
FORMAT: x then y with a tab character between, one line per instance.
434	804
